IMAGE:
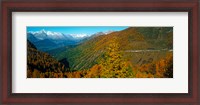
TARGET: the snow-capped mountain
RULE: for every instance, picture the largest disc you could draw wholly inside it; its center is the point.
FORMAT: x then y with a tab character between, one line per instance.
46	40
41	35
79	36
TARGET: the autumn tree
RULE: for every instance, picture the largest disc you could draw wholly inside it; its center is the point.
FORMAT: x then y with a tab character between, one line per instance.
112	65
158	69
169	67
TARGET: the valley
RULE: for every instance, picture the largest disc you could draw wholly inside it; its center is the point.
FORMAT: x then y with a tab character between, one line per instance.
135	52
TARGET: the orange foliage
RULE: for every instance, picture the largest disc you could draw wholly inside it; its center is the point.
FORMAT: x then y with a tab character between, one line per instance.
160	69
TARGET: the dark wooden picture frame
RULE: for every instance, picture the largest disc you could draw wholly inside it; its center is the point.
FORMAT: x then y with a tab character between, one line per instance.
9	6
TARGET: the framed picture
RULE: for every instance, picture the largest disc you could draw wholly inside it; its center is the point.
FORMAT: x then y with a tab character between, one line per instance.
100	52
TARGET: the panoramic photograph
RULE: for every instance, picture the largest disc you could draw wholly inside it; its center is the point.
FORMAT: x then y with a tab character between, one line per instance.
99	52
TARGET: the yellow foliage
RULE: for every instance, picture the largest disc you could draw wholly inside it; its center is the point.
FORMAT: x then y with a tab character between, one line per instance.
36	73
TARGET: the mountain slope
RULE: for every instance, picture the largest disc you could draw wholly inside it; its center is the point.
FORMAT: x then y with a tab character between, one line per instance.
155	32
45	44
159	37
88	53
30	45
40	64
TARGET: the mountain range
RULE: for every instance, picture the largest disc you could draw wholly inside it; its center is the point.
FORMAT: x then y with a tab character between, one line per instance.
48	40
142	49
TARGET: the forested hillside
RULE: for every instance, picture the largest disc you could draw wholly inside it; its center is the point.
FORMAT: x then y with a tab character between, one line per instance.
87	54
141	52
42	65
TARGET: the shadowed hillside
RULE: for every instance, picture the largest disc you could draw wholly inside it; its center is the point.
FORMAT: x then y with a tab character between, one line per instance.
42	65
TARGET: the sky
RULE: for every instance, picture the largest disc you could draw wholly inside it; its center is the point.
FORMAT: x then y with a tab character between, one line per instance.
89	30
